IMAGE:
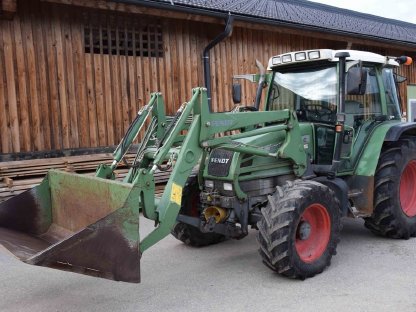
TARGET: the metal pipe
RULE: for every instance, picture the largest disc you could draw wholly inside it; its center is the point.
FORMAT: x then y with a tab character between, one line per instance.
207	68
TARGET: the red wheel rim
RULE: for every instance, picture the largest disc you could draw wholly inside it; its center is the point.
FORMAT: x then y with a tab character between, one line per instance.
408	189
313	233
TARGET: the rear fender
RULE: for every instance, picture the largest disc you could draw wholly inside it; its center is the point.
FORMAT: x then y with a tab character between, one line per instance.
361	183
368	161
399	130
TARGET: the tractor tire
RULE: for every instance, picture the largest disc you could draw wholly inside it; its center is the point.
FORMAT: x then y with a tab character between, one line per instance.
300	229
394	212
186	233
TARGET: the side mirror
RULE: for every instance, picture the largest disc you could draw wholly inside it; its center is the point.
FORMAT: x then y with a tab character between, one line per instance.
399	78
356	81
236	93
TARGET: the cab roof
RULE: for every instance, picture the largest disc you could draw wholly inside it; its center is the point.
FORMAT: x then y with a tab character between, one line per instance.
319	55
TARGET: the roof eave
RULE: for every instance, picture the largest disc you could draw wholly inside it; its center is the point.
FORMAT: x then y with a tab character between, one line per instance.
253	19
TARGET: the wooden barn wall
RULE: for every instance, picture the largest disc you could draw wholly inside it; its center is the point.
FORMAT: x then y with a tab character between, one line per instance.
54	95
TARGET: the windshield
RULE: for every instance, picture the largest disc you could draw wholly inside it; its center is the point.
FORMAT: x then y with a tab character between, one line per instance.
312	93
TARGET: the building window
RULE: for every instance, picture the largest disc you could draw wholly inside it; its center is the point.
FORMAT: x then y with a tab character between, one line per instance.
123	39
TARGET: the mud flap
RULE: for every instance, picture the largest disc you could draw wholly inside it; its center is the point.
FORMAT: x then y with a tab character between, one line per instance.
82	224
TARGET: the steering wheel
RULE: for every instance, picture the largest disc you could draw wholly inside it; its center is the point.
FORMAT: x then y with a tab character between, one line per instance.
248	109
321	114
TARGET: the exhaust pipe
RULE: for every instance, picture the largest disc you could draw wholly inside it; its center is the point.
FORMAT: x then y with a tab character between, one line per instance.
207	68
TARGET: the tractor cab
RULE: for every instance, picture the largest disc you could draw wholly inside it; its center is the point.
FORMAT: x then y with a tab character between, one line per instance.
310	83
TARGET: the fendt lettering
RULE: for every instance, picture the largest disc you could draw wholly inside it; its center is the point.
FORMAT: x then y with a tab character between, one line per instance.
220	160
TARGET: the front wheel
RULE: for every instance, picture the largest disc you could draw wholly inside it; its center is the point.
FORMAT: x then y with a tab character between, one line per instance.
300	229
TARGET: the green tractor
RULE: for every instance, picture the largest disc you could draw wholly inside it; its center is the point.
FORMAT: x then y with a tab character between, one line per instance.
329	142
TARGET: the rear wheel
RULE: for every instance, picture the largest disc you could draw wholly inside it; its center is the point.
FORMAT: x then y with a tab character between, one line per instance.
394	212
300	229
186	233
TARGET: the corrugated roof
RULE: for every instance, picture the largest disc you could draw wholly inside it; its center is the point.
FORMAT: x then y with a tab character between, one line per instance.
299	13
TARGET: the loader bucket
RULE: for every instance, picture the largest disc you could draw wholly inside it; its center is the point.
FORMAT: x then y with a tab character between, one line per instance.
82	224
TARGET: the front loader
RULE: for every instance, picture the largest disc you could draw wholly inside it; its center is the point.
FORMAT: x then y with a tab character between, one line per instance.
328	143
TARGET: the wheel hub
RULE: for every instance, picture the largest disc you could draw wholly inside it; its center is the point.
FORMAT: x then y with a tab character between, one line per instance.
304	230
407	189
313	233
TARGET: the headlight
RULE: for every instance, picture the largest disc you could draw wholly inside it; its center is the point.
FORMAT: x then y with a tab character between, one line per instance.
209	184
301	56
287	58
276	60
313	55
228	187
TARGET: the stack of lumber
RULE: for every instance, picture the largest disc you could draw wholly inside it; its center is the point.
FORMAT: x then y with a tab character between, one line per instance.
19	176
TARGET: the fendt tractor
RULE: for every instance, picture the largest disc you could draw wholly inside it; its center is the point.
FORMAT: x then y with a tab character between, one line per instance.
326	140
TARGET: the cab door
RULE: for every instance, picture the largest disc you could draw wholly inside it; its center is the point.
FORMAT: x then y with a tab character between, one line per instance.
363	112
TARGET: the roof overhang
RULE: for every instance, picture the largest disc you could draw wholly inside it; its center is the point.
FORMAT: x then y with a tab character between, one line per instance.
178	7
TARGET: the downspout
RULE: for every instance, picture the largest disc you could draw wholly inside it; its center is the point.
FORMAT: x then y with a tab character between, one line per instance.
207	68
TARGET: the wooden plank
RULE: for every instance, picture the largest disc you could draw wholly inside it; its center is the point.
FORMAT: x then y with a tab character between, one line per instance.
4	132
216	87
99	91
24	121
145	63
70	80
62	82
188	63
39	26
109	77
251	61
124	83
225	76
118	122
30	173
99	99
77	31
131	77
154	56
181	64
175	100
29	46
89	76
195	56
153	61
234	56
11	104
230	68
161	78
108	99
167	63
56	131
240	56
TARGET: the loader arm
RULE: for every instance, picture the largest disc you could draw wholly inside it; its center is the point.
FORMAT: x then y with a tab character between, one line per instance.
201	137
90	225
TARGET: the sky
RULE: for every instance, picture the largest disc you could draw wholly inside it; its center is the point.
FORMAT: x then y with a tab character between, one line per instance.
403	10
